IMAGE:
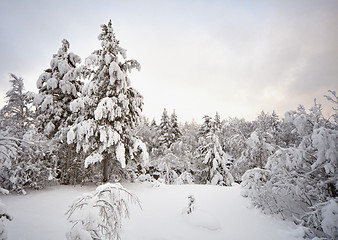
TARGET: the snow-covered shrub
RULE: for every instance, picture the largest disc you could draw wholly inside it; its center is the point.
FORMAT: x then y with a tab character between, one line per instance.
185	178
256	184
98	215
323	219
150	180
255	154
329	215
170	177
22	165
21	155
199	218
253	180
3	215
300	182
191	204
144	178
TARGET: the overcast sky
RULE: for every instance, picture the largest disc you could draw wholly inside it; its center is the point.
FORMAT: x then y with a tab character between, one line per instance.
198	57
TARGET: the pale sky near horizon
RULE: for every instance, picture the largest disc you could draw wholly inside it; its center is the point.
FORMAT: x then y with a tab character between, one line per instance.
198	57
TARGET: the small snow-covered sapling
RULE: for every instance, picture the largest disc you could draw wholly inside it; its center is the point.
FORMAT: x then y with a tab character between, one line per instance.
191	205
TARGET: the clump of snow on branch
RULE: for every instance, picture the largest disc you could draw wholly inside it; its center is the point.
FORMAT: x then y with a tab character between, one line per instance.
120	154
325	140
141	147
93	158
329	214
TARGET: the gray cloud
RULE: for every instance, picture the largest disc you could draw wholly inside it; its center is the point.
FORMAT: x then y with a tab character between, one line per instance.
198	57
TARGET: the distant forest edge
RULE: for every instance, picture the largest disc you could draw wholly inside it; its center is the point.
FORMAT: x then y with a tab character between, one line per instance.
71	132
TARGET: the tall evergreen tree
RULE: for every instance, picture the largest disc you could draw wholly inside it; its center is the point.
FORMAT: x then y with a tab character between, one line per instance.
108	110
164	131
58	86
175	132
206	126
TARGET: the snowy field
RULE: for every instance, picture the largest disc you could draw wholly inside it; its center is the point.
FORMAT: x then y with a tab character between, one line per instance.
221	213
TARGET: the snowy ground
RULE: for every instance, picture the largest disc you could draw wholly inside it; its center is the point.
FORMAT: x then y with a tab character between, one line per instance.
221	214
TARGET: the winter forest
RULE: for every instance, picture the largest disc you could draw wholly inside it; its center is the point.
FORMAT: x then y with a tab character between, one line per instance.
84	127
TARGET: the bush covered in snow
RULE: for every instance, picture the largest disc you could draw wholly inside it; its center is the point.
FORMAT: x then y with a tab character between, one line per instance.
22	165
21	149
300	182
184	178
3	215
99	215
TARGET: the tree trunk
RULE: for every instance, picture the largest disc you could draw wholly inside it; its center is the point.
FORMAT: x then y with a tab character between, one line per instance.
105	170
332	190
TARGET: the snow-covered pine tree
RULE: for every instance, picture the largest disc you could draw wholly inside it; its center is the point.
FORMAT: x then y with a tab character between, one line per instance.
258	147
234	133
186	147
21	155
175	132
217	122
58	87
147	133
164	128
206	127
213	158
153	124
108	110
153	142
16	116
333	98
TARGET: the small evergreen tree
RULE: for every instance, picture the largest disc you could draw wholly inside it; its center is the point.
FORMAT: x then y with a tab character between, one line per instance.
16	116
213	158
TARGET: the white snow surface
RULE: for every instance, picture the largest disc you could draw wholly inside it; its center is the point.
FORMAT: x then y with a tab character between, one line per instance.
221	213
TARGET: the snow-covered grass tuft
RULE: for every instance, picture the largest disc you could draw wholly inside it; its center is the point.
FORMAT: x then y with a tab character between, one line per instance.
99	215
